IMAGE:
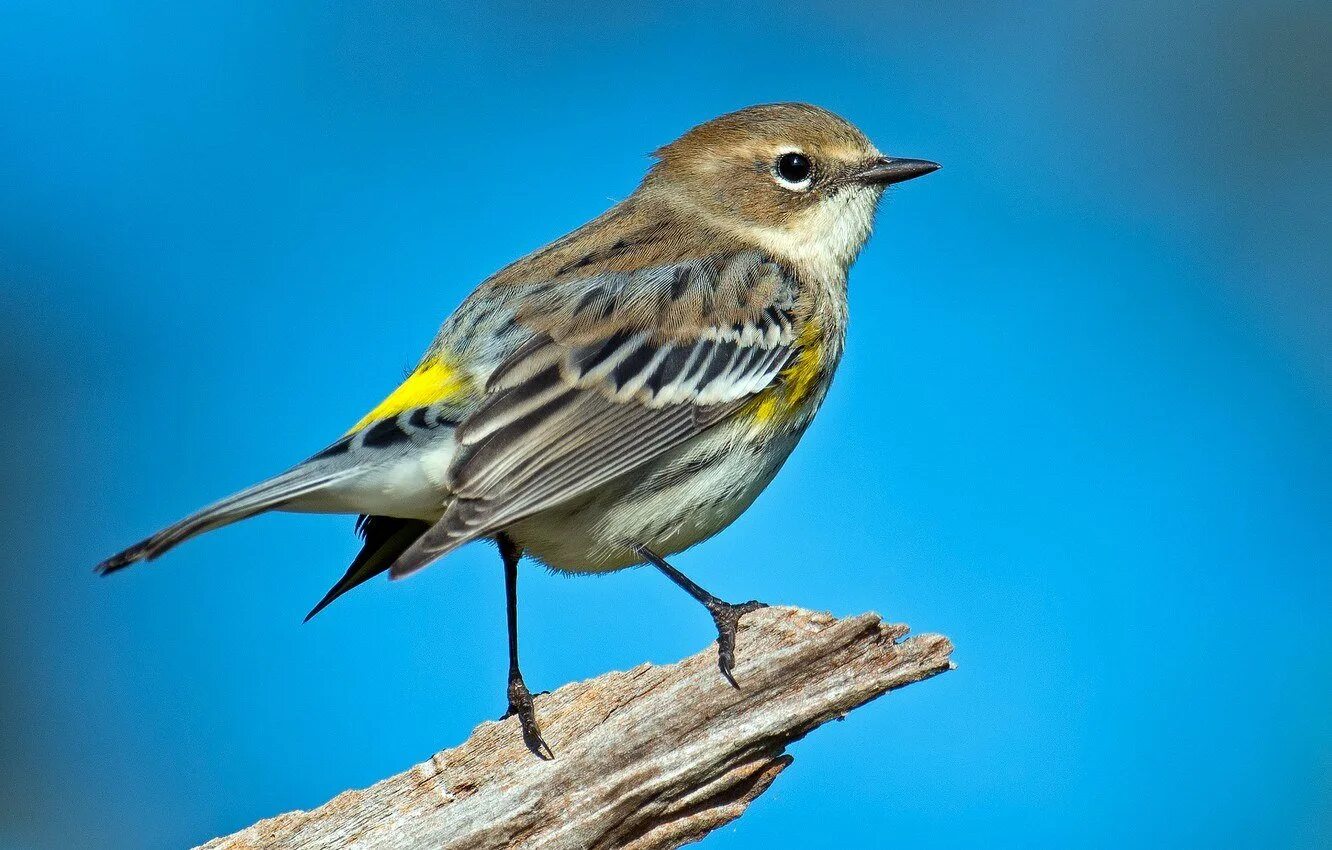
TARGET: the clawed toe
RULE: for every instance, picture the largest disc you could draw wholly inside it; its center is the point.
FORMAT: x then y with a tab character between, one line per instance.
522	707
724	614
727	617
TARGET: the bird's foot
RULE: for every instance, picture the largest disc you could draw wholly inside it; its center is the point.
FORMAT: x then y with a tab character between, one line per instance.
727	617
522	707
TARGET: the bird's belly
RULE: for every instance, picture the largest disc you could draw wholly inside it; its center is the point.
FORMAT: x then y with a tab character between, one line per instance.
677	501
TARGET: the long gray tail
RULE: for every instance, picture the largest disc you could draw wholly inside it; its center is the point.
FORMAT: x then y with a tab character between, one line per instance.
264	496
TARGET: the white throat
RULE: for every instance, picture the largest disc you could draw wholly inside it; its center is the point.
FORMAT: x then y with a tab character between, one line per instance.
828	238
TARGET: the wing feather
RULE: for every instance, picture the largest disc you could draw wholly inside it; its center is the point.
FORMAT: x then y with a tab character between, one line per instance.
622	367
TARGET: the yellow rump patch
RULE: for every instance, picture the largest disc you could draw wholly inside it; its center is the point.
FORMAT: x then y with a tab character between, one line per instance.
433	381
784	398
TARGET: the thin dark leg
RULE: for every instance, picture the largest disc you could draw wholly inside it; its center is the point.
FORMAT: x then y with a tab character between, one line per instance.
724	614
520	698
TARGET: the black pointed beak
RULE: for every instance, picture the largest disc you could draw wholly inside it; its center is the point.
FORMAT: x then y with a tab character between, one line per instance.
886	170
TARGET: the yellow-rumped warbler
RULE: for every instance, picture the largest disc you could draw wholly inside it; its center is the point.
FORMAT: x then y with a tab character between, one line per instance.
623	393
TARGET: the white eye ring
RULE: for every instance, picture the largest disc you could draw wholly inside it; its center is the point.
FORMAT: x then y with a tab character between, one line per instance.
793	170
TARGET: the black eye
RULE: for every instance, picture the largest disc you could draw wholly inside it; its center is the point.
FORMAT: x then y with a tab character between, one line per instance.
794	167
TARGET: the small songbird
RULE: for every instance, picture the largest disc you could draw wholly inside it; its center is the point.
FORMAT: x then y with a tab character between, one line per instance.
621	394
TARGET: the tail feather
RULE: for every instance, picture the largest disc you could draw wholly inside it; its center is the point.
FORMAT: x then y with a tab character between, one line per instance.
264	496
385	539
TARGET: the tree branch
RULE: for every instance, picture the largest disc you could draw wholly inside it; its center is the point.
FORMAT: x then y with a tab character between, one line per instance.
653	757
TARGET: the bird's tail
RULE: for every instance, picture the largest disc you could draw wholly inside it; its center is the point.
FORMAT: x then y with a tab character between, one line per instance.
267	495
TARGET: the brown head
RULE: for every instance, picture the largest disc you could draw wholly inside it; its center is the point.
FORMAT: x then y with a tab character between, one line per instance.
797	179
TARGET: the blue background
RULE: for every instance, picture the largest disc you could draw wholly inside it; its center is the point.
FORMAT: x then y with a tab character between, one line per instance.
1082	426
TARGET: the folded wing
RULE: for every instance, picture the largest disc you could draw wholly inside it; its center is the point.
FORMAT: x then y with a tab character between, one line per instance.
622	368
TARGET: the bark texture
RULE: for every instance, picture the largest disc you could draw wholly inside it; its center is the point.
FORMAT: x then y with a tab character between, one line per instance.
646	759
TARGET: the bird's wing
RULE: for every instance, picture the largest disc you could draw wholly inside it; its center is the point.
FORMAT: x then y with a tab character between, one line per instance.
385	539
622	367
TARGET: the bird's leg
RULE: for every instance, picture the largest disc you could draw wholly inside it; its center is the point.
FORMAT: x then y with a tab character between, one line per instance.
724	614
520	698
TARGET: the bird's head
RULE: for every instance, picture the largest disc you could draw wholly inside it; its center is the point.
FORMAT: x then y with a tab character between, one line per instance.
798	180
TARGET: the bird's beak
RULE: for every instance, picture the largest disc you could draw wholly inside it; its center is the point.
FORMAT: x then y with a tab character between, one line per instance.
886	170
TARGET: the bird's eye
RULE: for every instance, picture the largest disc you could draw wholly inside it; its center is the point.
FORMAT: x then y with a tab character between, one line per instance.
794	169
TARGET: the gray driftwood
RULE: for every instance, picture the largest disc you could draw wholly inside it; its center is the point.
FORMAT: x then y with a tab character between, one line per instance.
653	757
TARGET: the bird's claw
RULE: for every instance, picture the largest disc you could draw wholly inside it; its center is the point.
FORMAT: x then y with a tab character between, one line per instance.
727	617
522	707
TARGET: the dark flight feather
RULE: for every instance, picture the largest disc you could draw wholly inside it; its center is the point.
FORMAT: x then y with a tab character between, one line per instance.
385	539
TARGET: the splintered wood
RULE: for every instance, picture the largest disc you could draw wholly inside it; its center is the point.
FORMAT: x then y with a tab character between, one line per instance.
646	759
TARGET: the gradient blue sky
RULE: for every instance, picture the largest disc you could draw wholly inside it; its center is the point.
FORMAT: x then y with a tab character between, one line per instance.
1082	426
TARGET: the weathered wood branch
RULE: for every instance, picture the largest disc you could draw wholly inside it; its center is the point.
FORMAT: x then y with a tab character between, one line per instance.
653	757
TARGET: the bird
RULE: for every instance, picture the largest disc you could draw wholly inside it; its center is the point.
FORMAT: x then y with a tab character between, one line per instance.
624	392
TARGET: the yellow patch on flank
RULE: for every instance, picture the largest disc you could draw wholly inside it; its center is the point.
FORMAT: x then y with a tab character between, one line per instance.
784	397
433	381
